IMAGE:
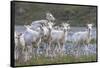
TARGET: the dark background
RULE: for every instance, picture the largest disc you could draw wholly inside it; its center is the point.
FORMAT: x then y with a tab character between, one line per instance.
75	15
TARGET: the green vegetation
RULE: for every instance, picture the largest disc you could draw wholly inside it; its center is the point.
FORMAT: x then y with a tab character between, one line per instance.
93	41
57	60
25	13
39	60
65	59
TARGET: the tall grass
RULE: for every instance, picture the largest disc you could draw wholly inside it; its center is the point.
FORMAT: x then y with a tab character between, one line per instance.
92	41
40	60
57	60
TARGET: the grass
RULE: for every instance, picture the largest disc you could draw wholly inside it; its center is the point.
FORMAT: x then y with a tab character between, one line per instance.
41	60
65	59
93	41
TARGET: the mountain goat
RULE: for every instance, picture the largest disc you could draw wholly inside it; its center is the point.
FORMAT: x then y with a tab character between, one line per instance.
57	36
83	37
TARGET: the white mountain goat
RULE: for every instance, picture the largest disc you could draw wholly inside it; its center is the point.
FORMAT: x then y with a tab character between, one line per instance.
16	38
83	37
27	39
47	35
46	28
32	36
58	36
50	17
38	23
16	45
